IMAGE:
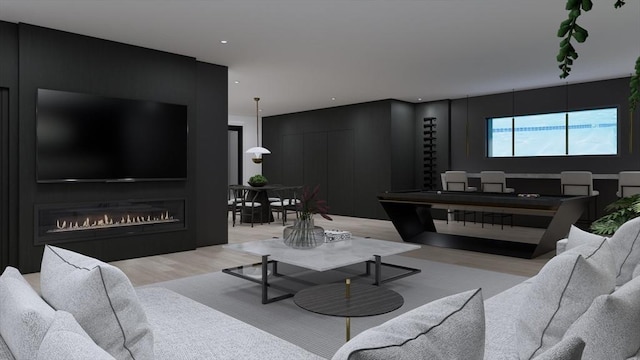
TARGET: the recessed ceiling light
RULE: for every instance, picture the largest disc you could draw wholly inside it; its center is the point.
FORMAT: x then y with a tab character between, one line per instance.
333	99
419	99
224	42
237	82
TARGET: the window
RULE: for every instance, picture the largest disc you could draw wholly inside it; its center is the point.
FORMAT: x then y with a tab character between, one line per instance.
584	132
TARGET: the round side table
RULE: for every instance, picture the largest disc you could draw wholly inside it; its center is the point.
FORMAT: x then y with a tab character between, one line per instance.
348	300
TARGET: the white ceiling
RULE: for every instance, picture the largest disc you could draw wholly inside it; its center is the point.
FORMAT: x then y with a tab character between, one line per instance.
297	55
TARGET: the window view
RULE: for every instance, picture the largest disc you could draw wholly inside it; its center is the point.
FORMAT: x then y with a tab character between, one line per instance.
585	132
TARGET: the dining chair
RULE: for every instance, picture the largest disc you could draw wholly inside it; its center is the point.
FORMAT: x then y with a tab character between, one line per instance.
232	203
455	180
495	182
628	183
287	200
248	200
579	183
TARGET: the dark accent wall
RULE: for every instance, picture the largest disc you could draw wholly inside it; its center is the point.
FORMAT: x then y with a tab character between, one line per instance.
46	58
353	152
598	94
608	93
387	138
9	144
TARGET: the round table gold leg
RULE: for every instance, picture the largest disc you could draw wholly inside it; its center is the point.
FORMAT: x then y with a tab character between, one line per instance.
348	323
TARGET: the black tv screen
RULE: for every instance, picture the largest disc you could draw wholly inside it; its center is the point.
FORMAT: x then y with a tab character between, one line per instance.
82	137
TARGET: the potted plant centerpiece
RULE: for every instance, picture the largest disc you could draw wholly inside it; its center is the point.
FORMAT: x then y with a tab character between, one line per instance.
303	234
258	180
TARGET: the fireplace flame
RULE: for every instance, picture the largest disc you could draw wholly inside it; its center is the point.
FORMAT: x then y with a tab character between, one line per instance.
108	221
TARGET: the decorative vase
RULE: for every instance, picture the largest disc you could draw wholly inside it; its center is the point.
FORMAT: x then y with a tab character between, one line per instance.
303	234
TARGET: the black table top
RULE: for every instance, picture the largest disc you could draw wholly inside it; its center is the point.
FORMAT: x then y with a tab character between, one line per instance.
365	300
534	201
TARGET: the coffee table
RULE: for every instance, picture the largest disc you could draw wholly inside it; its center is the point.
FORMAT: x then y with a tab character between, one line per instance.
327	256
348	300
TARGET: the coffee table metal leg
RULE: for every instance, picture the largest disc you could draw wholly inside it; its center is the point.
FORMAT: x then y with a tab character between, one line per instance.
378	270
265	283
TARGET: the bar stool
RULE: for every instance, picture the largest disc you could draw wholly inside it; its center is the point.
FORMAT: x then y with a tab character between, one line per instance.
579	183
628	183
458	181
496	182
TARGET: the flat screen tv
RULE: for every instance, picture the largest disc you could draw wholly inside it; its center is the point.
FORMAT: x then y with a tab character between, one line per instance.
82	137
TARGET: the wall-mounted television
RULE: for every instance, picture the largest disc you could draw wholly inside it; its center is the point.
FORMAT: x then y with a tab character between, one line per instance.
83	137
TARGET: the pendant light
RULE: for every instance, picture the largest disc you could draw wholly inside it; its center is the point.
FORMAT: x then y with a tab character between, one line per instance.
257	151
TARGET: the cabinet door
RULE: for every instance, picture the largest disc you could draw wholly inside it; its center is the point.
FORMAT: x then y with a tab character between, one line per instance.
340	172
315	161
292	159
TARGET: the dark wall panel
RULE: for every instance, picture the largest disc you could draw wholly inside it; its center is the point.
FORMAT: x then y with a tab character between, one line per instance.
580	96
70	62
8	144
210	132
292	160
403	149
315	161
367	125
340	171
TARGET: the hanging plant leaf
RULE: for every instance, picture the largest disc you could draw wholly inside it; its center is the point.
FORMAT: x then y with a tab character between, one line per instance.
580	33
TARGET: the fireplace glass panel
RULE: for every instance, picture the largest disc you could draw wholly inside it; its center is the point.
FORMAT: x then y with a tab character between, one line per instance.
67	222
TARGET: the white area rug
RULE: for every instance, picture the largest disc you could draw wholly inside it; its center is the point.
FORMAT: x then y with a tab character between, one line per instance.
321	334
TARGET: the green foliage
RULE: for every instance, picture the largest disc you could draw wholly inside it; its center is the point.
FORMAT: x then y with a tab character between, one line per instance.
569	29
258	180
620	211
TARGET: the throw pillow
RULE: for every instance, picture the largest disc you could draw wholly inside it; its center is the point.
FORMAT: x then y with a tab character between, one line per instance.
570	348
449	328
101	298
578	237
625	245
66	340
610	326
24	316
561	292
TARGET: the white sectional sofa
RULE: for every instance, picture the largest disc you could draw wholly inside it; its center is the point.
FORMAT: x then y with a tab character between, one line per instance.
584	304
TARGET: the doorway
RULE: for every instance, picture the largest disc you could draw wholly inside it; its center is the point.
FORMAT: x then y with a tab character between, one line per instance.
235	154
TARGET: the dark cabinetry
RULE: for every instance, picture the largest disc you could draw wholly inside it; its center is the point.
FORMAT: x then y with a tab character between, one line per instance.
350	151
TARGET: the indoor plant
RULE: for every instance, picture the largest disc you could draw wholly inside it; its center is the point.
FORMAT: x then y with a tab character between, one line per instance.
569	29
258	180
620	211
303	234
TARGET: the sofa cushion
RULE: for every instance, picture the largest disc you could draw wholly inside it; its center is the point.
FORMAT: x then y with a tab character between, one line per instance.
184	329
569	348
5	352
449	328
625	245
102	300
24	316
561	292
611	325
65	340
578	237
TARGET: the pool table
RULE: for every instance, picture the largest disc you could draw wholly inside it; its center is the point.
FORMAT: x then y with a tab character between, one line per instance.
410	212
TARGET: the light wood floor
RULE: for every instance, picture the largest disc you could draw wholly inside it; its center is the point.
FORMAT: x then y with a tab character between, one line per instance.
157	268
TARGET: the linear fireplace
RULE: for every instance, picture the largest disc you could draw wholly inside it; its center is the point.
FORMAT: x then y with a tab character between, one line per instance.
87	221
